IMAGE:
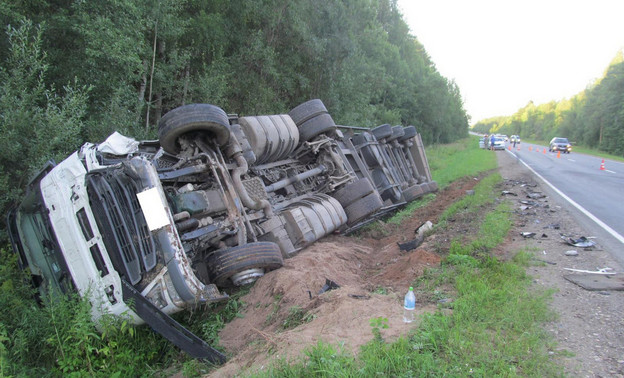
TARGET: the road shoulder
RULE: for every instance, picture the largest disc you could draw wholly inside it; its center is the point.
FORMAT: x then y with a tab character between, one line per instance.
590	323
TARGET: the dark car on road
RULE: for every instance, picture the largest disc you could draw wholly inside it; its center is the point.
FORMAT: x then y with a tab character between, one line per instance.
560	144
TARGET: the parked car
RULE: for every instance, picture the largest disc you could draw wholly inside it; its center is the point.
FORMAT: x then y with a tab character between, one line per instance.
515	138
152	228
481	142
560	144
499	143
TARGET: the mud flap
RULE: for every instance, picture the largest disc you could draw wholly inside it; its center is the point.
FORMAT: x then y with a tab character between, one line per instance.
169	328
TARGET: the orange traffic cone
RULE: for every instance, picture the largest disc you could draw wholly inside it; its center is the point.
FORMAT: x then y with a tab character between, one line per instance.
518	148
509	147
544	150
558	154
530	148
602	167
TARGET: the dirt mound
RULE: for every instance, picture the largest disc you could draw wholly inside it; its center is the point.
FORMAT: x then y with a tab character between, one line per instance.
285	312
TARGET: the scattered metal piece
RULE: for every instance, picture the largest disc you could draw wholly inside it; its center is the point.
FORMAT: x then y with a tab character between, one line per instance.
571	253
594	282
529	203
527	234
329	285
544	235
604	271
509	193
412	244
581	242
536	195
545	261
359	296
554	226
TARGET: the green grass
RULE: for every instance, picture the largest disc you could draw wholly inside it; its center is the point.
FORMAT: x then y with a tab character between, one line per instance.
464	158
494	327
483	194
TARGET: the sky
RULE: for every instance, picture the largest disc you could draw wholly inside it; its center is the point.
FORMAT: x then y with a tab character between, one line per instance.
504	53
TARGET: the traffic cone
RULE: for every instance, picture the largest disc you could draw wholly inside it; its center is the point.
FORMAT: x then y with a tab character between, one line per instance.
544	150
530	148
518	148
509	147
602	167
558	154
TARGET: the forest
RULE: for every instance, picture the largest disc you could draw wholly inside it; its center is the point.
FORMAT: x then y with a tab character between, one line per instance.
592	118
75	71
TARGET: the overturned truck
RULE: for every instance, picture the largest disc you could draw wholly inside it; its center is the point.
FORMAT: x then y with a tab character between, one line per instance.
149	228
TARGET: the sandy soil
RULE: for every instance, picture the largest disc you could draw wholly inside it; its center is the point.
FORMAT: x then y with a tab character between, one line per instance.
374	274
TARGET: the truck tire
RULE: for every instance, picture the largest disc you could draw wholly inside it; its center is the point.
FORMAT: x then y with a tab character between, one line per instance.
307	110
316	126
367	143
203	118
433	186
409	132
225	263
382	131
412	193
353	191
397	132
382	183
363	207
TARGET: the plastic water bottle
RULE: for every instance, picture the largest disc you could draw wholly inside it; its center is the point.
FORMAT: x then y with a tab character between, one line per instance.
409	304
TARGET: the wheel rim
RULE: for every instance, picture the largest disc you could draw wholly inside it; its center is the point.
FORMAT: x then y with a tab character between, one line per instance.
247	276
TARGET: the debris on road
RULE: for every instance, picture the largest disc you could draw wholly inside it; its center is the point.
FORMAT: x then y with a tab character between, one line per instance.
527	234
604	271
554	226
545	261
599	283
581	242
571	253
529	203
536	195
508	193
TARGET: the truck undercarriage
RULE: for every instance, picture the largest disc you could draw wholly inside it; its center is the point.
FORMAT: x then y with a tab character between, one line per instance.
217	201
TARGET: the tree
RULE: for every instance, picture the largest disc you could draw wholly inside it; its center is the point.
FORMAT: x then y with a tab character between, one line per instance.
37	124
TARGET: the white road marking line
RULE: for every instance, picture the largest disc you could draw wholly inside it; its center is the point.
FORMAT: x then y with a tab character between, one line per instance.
579	207
572	160
609	171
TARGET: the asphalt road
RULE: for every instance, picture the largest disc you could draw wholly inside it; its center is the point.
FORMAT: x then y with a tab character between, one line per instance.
595	195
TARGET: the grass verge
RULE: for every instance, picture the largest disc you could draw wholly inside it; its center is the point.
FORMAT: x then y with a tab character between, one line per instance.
493	327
